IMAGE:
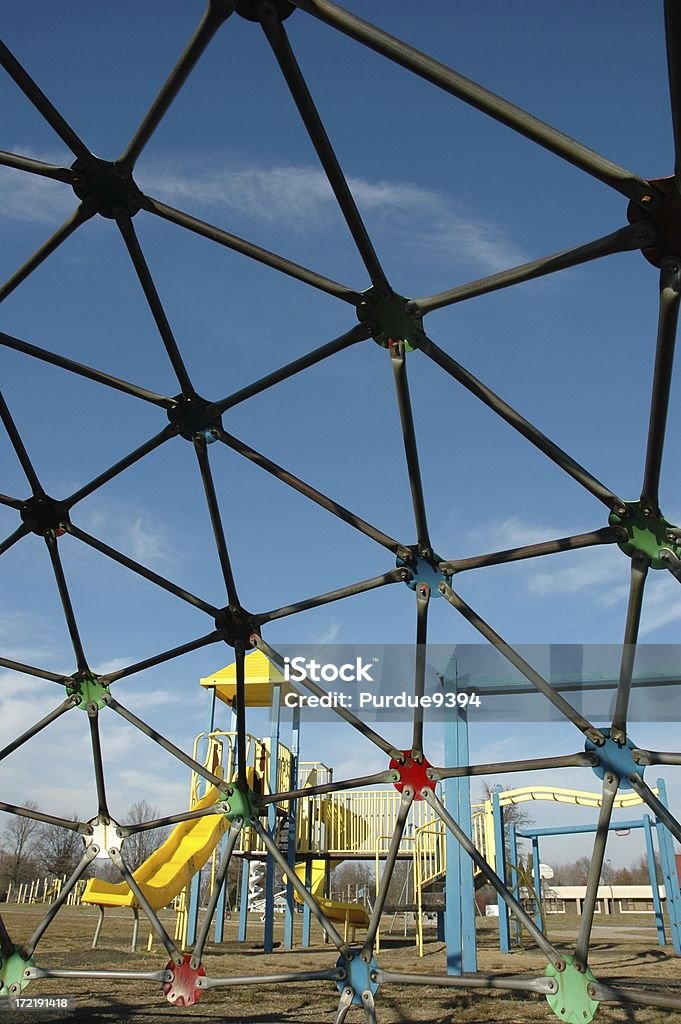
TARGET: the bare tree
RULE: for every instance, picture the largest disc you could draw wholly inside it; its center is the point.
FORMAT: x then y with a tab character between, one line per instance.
18	847
59	849
139	847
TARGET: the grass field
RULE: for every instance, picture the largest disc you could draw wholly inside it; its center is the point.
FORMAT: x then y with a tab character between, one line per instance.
624	949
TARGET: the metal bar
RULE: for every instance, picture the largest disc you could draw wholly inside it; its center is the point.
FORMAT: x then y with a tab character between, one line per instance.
52	716
367	950
41	102
634	236
78	217
672	27
15	503
30	670
360	332
550	951
332	974
240	712
6	944
10	541
377	779
50	819
281	47
141	570
85	371
639	570
579	760
397	359
672	563
606	993
214	16
127	229
44	972
93	718
201	450
523	426
559	702
254	252
313	494
171	819
657	807
544	986
27	163
215	892
670	291
606	535
343	713
55	558
610	787
644	757
625	182
369	1006
315	909
394	576
20	450
174	652
157	737
28	948
422	600
145	449
146	906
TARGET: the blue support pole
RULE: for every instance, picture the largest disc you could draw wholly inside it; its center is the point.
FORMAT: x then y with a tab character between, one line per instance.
515	877
306	909
292	831
459	918
243	902
536	874
500	868
194	893
655	886
273	782
671	875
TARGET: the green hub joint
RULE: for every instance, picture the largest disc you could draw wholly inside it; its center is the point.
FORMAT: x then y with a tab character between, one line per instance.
88	687
12	969
390	318
572	1002
241	805
647	534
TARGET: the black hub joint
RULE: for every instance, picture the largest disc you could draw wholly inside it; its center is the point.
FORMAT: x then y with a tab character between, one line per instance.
44	515
107	186
194	417
237	626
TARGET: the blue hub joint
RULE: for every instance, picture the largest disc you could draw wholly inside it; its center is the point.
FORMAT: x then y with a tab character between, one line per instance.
360	976
424	569
616	759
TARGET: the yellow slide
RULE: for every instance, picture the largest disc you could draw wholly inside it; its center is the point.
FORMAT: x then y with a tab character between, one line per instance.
351	915
170	868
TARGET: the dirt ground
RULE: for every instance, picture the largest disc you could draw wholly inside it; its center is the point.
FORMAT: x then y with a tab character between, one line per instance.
624	948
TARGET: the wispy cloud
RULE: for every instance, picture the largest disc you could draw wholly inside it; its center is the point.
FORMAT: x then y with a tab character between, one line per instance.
31	198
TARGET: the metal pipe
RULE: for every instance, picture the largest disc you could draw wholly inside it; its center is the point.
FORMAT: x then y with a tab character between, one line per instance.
200	447
9	542
52	716
672	27
639	570
27	163
334	974
6	944
276	36
422	599
622	180
78	217
43	972
123	831
657	807
234	833
367	950
154	921
93	718
398	362
640	235
579	760
28	948
30	670
141	570
19	448
240	710
606	993
610	787
313	494
377	779
394	576
512	656
644	757
122	464
606	535
65	597
254	252
174	652
543	985
50	819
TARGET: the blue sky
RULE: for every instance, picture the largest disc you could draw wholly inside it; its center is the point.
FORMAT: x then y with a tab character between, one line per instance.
448	196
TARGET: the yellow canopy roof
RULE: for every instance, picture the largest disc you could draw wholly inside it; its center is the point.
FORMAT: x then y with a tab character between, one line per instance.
260	675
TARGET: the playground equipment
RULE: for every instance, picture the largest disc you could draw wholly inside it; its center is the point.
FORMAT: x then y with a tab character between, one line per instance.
646	539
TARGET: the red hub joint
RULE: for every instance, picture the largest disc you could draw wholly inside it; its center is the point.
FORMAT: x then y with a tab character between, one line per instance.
412	773
183	990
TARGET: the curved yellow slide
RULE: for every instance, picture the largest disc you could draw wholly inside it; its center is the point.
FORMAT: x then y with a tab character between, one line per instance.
348	914
170	868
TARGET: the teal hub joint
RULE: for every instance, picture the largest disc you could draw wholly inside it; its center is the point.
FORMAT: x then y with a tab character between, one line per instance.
87	686
424	569
572	1002
390	319
12	973
359	976
616	759
647	533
